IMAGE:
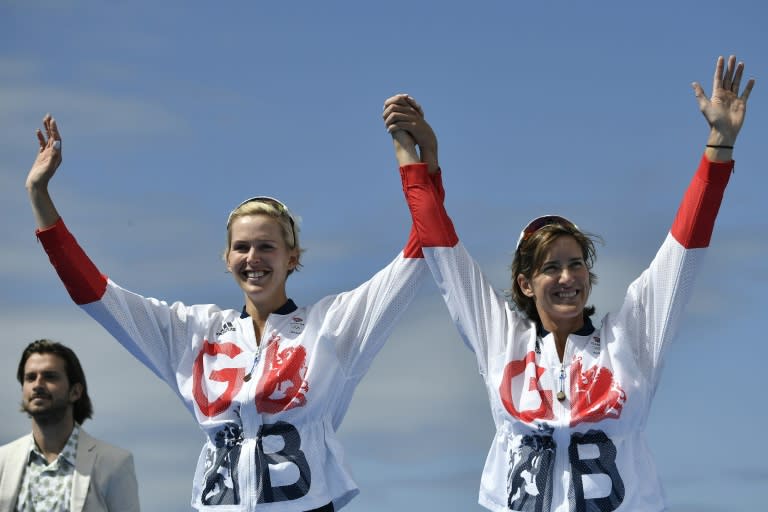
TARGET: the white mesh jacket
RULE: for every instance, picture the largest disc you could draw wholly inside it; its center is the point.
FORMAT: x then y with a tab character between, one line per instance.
269	415
587	452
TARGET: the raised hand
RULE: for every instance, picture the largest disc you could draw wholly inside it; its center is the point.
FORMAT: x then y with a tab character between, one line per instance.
45	165
404	119
49	156
725	110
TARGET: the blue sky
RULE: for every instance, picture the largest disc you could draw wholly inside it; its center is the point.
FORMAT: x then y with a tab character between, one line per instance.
173	112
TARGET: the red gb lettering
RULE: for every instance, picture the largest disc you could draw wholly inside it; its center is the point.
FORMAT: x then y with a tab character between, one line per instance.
232	376
282	385
595	395
518	367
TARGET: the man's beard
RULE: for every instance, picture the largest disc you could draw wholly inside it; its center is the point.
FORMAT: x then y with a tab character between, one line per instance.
54	413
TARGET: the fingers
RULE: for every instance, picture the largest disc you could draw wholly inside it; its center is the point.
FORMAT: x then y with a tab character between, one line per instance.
40	139
51	140
54	130
737	83
737	77
717	82
47	124
728	76
404	100
415	105
400	126
52	137
748	89
701	97
398	113
397	98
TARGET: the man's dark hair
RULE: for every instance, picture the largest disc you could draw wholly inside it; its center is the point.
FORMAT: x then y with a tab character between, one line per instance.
82	408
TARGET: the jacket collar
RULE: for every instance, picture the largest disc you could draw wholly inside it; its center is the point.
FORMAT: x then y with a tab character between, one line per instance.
286	309
585	330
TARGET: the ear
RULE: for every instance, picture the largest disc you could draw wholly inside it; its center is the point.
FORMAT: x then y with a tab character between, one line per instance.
525	285
75	392
293	260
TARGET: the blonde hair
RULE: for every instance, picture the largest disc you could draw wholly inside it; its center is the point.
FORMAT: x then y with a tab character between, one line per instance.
274	209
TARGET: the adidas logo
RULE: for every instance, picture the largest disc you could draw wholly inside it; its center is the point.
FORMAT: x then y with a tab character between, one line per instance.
226	327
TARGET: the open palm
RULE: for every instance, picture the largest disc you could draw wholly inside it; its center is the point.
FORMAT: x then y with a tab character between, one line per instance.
725	110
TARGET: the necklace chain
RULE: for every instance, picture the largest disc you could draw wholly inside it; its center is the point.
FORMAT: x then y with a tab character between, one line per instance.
561	391
247	376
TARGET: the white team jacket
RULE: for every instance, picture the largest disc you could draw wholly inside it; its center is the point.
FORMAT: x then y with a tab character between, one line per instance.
271	436
588	452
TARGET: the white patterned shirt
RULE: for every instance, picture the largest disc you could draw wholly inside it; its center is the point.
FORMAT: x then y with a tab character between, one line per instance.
48	487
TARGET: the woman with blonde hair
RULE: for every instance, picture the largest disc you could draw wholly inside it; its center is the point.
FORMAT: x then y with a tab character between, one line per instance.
269	383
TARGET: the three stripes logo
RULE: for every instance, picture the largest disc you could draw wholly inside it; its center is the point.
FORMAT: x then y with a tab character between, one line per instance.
225	327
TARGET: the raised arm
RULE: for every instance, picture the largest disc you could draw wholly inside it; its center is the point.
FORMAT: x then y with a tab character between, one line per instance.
665	288
725	110
47	161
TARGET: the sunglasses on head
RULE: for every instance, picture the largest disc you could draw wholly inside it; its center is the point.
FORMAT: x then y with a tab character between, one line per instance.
276	203
539	222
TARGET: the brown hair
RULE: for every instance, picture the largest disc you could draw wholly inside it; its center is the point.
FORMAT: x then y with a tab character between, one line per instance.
530	255
82	408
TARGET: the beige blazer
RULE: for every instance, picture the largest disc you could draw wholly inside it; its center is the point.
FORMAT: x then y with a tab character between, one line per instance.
104	479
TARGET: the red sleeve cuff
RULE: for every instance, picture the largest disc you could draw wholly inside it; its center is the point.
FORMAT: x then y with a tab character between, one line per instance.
80	276
695	219
413	246
425	194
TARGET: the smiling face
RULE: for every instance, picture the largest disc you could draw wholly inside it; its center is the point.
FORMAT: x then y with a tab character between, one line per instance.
560	286
259	260
46	392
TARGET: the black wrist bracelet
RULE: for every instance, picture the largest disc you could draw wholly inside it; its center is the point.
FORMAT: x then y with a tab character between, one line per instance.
718	146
